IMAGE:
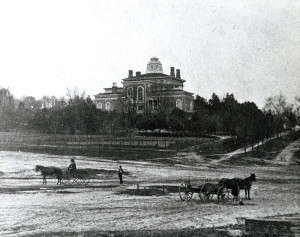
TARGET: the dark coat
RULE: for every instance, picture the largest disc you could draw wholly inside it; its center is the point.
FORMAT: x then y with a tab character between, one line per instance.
72	166
120	172
235	190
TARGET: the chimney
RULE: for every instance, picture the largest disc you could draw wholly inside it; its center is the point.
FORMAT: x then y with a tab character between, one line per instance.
114	88
172	73
138	74
177	73
130	73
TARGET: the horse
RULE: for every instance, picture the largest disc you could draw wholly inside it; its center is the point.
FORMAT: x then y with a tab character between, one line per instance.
49	171
242	183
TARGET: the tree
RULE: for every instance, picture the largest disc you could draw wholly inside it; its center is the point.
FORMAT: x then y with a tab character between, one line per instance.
296	110
48	102
40	121
214	102
178	120
229	109
31	103
7	110
200	104
277	106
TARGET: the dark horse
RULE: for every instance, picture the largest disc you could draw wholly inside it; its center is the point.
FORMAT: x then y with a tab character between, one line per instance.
49	171
243	183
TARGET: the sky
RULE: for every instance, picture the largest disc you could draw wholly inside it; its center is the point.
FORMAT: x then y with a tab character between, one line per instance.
248	48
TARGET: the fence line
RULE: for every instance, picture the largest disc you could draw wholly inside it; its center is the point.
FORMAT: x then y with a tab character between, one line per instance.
107	142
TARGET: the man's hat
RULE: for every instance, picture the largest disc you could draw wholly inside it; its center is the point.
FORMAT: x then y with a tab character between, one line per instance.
72	160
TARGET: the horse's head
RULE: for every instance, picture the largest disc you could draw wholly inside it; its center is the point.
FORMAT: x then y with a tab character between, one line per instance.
253	177
37	168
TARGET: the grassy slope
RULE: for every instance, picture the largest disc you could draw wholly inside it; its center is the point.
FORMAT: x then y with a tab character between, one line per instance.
266	152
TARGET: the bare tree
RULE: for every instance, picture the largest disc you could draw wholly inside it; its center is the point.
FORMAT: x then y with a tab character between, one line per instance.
75	94
278	106
296	110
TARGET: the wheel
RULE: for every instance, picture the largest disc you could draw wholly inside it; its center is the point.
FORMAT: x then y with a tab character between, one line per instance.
86	178
66	179
206	192
83	178
202	196
185	193
223	194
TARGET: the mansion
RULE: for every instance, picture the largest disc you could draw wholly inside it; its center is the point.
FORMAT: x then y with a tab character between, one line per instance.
151	92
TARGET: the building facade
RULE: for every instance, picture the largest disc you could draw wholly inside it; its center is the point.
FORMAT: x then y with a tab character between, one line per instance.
151	92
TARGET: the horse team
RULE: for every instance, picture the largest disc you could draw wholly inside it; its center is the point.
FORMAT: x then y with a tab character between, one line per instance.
242	184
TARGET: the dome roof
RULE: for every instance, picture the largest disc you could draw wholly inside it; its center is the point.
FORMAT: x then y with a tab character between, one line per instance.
154	66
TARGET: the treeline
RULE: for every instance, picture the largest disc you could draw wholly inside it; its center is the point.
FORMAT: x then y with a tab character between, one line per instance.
245	120
77	114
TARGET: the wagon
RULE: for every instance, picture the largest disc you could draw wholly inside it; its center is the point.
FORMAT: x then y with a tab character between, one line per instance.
75	177
206	191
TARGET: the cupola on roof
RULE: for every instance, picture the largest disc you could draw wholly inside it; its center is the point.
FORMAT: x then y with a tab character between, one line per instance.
154	66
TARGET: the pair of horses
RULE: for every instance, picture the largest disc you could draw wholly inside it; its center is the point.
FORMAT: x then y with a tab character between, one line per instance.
46	171
242	183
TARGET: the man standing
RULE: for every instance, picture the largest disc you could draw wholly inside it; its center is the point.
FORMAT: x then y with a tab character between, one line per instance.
120	174
235	192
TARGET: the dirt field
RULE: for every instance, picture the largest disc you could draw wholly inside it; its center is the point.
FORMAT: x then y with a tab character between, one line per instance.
105	208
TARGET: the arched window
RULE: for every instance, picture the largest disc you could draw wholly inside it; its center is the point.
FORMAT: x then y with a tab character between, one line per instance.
130	92
99	105
107	106
140	93
179	104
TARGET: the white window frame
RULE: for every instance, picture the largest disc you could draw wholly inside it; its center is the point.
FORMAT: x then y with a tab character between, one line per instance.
179	104
130	89
99	105
143	93
108	106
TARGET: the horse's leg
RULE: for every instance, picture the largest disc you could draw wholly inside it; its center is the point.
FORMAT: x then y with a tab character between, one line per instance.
246	193
249	193
58	179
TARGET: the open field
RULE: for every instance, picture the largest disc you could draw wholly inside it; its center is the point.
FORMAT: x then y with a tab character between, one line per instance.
105	208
